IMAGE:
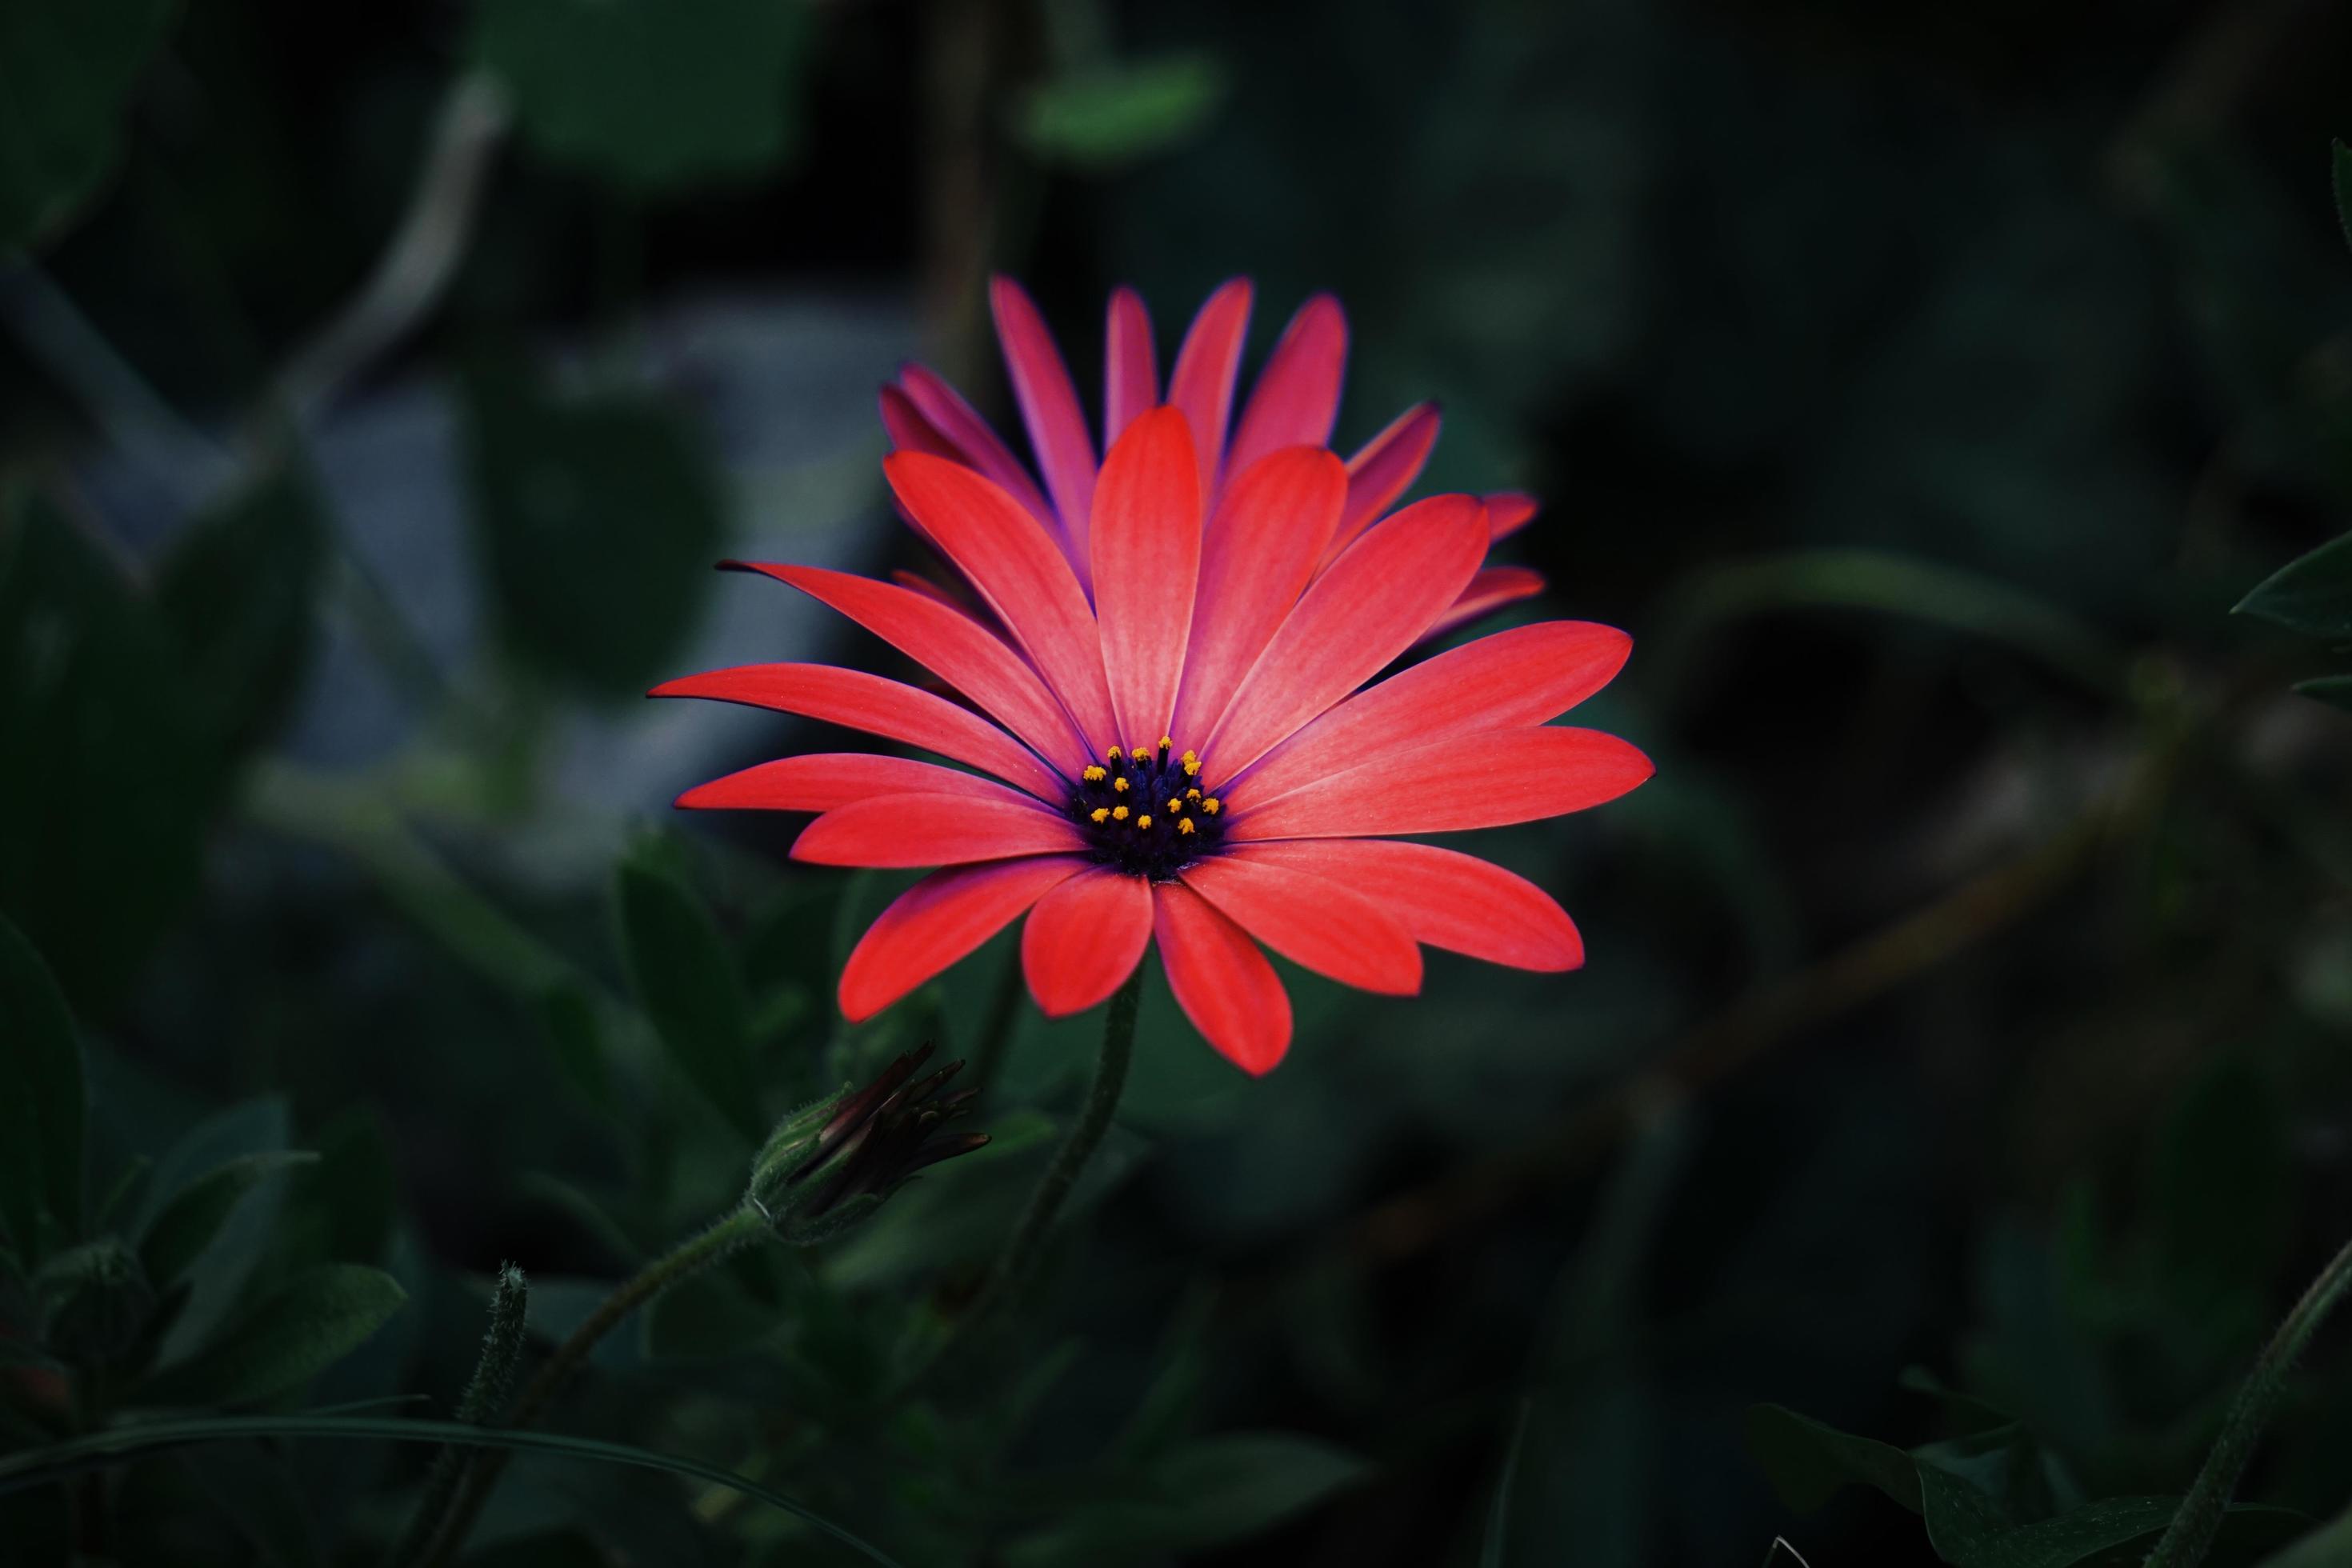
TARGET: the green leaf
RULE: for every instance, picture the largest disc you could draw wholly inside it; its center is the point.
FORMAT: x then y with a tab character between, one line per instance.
2312	594
188	1223
567	1018
1204	1494
599	519
42	1108
2336	690
2118	1533
62	1461
91	684
2329	1546
2222	1191
652	93
686	979
1808	1462
1109	116
2341	162
283	1341
237	588
70	71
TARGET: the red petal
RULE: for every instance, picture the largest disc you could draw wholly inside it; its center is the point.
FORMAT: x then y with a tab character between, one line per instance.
1130	371
1490	590
1220	979
1384	469
1262	547
1311	920
916	583
1147	528
955	647
822	780
1366	608
1049	407
1297	394
909	431
1202	385
1022	575
1507	511
878	707
903	830
976	445
1083	937
939	920
1444	898
1528	675
1487	780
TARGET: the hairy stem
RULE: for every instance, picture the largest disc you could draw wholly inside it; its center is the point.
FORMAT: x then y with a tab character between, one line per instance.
486	1391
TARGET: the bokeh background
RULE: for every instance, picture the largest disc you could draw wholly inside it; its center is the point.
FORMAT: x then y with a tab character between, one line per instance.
1962	1052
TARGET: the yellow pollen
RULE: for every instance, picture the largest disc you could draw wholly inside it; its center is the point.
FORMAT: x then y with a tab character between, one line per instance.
1192	794
1119	812
1100	814
1144	821
1112	755
1192	763
1165	742
1174	806
1139	754
1209	805
1183	824
1119	785
1096	774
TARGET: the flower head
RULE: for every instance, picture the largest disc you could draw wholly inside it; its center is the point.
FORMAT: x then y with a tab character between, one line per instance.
1169	735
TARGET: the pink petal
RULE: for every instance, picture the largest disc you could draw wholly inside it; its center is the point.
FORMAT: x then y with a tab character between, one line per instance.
1262	545
1083	937
1384	469
916	583
1528	675
1147	536
1490	779
1049	407
1489	591
1220	979
976	445
822	780
1202	385
909	431
1311	920
955	647
939	920
1507	511
1005	554
1366	608
903	830
1297	394
878	707
1444	898
1130	371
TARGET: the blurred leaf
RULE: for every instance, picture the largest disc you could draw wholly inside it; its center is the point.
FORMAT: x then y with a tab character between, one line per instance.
1808	1462
2118	1533
237	588
91	684
598	518
220	1276
1105	116
1494	1552
2329	1546
283	1341
256	1488
178	1235
653	93
2341	162
2222	1190
2336	690
42	1108
70	69
567	1016
2312	594
685	980
341	1209
1216	1490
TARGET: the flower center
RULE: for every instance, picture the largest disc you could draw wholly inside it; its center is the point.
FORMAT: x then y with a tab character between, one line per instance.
1144	813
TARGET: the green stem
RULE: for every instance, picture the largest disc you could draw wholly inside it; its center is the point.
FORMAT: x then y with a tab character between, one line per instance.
730	1235
2199	1519
486	1391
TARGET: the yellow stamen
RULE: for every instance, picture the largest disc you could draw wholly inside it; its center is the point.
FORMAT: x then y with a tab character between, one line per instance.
1100	814
1190	766
1119	785
1118	813
1139	754
1174	806
1165	742
1096	774
1209	805
1112	755
1192	794
1144	821
1183	824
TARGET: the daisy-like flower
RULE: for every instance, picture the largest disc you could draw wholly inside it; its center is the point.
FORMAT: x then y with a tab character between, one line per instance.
1168	736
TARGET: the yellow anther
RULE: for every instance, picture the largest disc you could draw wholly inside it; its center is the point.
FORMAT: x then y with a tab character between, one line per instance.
1119	785
1192	794
1192	763
1139	754
1100	814
1192	757
1183	824
1209	805
1144	821
1112	755
1118	813
1165	742
1174	806
1096	774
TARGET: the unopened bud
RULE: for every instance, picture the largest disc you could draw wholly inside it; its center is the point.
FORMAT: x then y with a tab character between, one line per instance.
831	1163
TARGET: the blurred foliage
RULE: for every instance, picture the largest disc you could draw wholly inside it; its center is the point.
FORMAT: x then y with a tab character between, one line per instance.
1958	1094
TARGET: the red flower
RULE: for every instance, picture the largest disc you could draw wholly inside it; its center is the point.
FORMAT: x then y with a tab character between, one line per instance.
1166	682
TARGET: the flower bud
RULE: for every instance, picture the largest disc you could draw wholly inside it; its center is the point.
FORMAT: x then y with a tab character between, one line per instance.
95	1301
830	1165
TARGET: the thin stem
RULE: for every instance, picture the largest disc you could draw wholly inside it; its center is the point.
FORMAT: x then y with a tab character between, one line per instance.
2190	1535
1086	1136
485	1392
730	1235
